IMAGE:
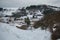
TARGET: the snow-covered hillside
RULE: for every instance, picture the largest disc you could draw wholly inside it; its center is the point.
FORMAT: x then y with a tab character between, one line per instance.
10	32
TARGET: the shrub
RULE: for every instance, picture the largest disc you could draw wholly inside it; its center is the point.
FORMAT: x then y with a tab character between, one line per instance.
15	15
48	21
27	20
56	34
48	11
24	27
1	9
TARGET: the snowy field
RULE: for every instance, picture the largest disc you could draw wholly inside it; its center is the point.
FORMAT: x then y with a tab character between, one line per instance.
10	32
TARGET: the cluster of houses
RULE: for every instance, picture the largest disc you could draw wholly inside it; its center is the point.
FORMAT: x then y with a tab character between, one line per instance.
33	15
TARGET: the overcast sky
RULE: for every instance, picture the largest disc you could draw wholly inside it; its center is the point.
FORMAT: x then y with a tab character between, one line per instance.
24	3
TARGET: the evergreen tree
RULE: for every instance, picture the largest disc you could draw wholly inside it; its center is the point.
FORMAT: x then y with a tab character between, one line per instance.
1	9
27	20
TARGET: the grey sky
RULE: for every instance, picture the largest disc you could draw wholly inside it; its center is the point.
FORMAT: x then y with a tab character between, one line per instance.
22	3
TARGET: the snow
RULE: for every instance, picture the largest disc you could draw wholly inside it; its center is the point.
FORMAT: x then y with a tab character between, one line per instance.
39	13
30	16
57	9
10	32
9	11
23	17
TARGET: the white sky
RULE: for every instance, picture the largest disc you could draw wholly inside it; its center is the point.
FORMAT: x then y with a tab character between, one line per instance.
24	3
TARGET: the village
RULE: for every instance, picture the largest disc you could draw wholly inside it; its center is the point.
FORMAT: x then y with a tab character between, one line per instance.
21	17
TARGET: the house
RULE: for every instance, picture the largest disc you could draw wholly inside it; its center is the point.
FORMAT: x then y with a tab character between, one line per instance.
8	19
30	16
1	13
11	19
20	20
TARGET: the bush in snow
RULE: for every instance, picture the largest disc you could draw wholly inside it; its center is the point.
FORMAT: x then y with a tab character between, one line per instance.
23	27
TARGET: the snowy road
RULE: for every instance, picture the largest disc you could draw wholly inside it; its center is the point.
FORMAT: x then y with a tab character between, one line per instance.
10	32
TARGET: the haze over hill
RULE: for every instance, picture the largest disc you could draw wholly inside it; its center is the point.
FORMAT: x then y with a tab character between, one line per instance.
22	3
